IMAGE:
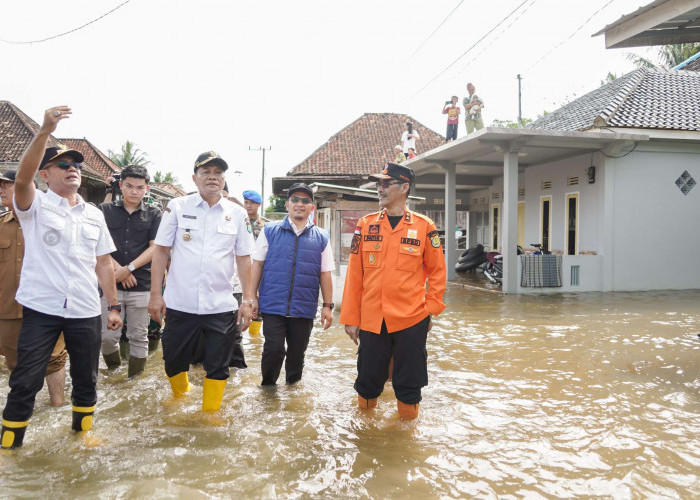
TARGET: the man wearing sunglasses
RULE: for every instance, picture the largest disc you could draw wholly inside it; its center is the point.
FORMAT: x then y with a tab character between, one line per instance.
386	306
12	253
66	256
292	259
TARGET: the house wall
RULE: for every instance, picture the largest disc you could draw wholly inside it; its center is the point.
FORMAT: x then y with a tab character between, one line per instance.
590	199
656	237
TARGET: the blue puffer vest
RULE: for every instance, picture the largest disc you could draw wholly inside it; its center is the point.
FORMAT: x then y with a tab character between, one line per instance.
292	273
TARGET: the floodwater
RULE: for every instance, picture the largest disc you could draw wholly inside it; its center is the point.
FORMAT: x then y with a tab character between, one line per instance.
538	397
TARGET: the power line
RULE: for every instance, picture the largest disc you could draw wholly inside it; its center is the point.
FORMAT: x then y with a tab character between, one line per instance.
494	39
434	31
14	42
570	36
469	49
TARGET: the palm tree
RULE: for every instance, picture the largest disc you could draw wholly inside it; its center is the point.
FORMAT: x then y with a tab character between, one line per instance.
130	155
168	177
667	55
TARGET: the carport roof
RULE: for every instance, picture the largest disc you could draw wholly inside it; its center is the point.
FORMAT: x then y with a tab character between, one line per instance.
661	22
481	154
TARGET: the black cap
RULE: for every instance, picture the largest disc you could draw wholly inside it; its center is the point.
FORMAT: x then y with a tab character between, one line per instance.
300	187
10	176
210	157
54	153
395	171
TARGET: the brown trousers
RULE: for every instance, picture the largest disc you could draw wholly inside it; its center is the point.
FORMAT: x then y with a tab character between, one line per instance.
9	333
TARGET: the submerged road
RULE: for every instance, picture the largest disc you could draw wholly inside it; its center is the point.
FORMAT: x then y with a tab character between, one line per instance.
540	397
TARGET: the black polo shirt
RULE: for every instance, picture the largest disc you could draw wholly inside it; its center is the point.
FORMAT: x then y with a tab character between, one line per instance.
131	233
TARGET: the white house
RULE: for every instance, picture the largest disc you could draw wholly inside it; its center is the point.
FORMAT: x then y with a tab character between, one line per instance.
608	181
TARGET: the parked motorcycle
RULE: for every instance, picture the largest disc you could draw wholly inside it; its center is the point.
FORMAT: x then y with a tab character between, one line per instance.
493	268
538	249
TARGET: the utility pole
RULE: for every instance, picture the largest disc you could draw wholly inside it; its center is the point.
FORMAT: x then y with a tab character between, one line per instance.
262	181
520	106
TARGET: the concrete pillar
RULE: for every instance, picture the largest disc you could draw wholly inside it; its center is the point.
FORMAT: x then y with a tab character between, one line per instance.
509	224
450	218
608	219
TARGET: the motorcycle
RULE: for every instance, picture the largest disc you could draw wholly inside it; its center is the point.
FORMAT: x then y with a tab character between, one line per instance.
493	268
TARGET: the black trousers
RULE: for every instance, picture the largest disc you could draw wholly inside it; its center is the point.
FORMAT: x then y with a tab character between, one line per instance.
182	333
37	339
238	354
410	372
277	330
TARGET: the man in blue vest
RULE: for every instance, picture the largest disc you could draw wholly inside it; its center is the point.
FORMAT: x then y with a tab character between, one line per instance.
292	258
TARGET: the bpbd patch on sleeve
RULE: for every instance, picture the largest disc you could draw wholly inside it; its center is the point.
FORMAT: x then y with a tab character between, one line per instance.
434	238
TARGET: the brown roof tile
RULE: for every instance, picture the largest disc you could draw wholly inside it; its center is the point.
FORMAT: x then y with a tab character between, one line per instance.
364	146
169	188
96	162
16	132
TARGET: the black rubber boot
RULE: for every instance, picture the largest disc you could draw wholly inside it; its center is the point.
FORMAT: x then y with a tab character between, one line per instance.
82	418
153	344
124	349
113	360
136	366
12	434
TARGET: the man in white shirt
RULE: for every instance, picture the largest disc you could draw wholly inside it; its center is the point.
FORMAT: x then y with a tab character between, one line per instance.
207	234
66	256
292	259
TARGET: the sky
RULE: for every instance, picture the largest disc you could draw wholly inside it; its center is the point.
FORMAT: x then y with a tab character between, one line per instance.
181	77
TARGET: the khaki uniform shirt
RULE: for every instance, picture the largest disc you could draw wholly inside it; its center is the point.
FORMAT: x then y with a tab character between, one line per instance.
11	255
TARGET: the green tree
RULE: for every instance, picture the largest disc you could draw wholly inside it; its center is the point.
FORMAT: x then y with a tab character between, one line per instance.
130	155
167	177
611	77
509	123
275	204
668	56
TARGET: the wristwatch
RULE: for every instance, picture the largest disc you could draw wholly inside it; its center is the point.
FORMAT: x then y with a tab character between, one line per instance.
330	305
117	307
131	268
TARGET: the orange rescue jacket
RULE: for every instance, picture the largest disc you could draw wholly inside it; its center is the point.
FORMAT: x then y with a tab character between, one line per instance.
387	273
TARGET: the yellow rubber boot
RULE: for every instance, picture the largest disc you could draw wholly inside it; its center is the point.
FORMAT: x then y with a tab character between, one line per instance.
212	394
407	412
180	384
82	418
12	433
366	404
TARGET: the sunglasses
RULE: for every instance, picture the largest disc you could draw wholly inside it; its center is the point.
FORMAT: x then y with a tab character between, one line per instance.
297	199
65	165
385	184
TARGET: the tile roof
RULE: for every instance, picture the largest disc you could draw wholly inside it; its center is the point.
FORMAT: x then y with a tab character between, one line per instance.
364	146
645	98
693	65
96	161
169	188
16	132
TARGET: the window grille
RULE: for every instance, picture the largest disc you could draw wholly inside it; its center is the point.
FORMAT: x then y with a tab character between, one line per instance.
546	184
572	181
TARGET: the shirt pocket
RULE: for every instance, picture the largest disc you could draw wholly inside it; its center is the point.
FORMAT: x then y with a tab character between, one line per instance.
226	233
409	258
90	235
187	227
5	250
51	228
372	254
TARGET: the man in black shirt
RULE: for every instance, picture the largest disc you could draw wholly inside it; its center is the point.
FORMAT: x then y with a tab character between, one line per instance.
133	226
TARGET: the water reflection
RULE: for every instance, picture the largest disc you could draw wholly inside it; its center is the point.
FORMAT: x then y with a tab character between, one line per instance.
563	395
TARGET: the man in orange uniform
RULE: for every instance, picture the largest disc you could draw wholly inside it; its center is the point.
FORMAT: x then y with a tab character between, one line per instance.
385	303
